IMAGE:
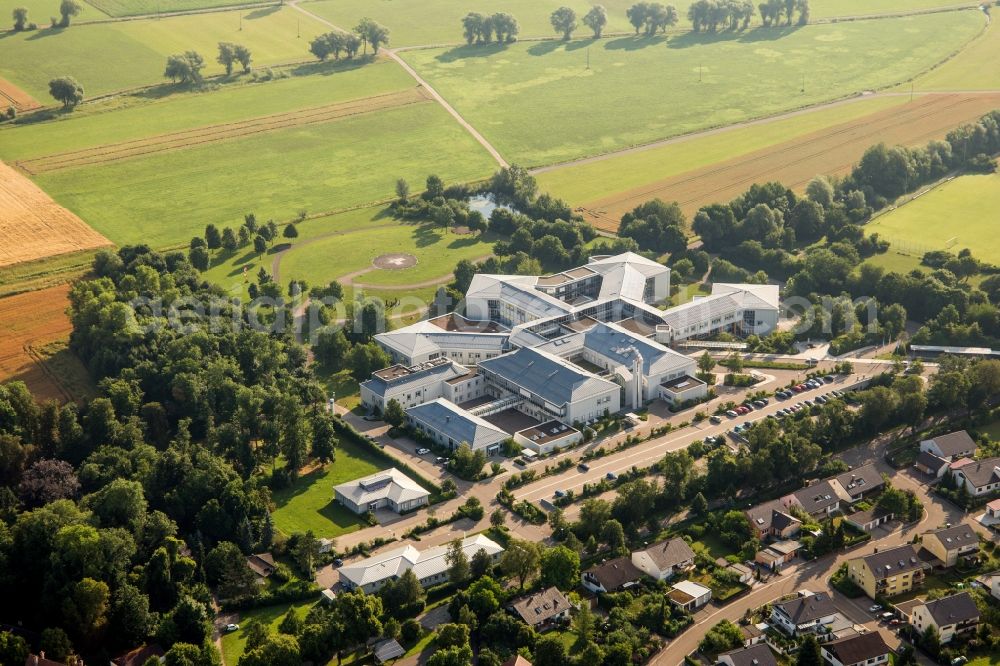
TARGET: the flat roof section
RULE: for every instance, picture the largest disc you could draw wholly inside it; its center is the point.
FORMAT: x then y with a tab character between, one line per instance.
512	420
456	322
392	372
683	383
547	432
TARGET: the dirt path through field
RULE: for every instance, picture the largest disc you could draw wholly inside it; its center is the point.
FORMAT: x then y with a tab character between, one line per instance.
28	322
829	151
428	87
202	135
33	226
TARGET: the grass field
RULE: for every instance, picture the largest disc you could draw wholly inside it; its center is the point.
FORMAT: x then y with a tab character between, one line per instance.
317	167
127	118
526	98
138	7
234	643
970	201
595	180
895	262
40	11
309	505
435	22
966	71
107	57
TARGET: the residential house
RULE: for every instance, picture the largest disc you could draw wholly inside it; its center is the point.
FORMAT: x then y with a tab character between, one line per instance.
773	519
778	554
688	595
951	543
980	477
868	520
930	464
861	482
665	559
887	572
952	446
430	566
752	634
806	613
755	655
860	650
388	489
991	516
611	576
262	564
820	499
541	610
951	616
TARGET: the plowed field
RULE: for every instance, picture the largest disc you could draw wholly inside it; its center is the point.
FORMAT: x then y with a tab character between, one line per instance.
11	95
33	226
28	322
829	151
203	135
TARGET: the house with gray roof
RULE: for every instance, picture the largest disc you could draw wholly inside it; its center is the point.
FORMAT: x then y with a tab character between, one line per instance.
611	576
449	425
868	649
388	489
951	616
820	499
805	613
951	446
541	610
928	463
758	654
773	519
980	477
949	544
861	482
665	559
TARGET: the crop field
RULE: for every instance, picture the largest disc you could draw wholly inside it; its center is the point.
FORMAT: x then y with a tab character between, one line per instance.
320	167
438	22
28	324
33	226
970	203
967	70
108	154
831	151
106	57
527	99
12	96
131	117
139	7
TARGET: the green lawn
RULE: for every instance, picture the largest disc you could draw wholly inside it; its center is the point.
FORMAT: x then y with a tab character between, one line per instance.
592	181
893	261
233	644
137	7
436	22
971	201
526	98
131	117
309	505
106	57
319	168
965	71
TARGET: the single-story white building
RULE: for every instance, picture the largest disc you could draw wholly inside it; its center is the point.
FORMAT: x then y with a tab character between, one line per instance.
388	489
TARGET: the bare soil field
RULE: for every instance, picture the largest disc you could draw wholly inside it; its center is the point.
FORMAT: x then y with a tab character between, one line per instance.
11	95
33	329
33	226
212	133
829	151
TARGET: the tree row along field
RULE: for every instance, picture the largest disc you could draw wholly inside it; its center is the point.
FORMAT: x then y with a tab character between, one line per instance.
438	22
214	133
540	103
107	57
828	151
33	226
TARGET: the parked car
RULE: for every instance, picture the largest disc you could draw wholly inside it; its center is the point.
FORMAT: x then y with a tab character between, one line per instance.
441	460
610	476
828	379
421	452
886	616
337	562
232	627
583	467
822	399
559	493
716	419
731	413
759	404
874	608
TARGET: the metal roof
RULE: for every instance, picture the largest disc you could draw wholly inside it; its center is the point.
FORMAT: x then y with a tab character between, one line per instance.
547	376
450	420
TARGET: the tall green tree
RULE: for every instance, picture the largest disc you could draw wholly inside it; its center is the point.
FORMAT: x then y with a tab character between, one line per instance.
596	19
563	21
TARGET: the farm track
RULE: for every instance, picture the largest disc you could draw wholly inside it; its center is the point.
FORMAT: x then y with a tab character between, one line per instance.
795	162
33	226
28	321
214	133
